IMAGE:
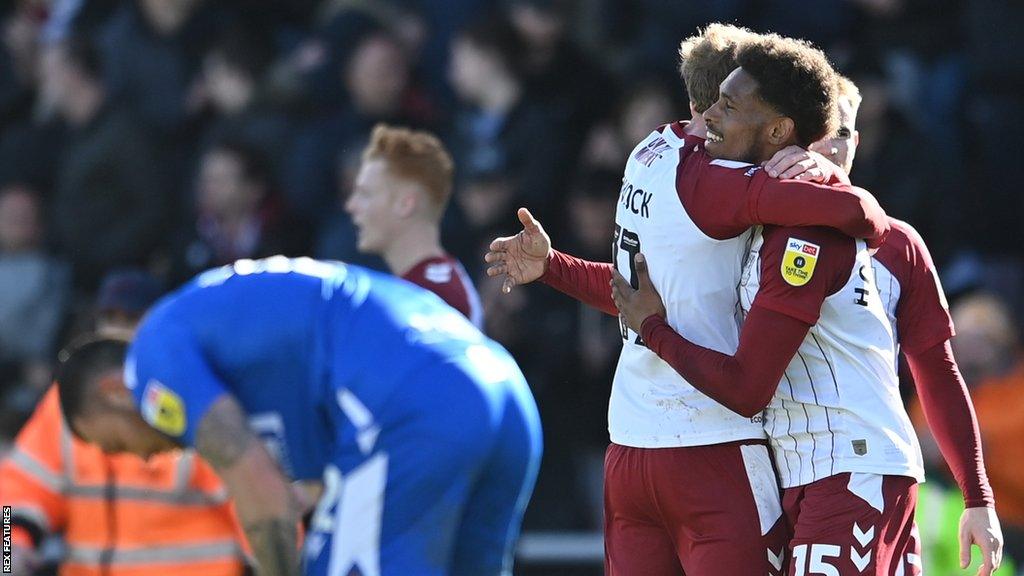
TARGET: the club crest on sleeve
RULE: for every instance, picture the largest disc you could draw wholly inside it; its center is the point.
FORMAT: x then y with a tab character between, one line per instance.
798	262
163	409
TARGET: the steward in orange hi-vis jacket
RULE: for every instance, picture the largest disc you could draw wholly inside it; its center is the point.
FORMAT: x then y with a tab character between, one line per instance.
120	515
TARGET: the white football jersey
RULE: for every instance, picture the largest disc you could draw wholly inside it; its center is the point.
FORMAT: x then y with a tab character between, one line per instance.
697	277
838	407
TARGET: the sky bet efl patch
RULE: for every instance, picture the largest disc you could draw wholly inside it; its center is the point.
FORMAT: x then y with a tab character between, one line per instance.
163	409
798	261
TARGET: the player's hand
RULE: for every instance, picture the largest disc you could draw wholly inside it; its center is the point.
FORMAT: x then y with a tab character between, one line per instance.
799	164
522	258
636	305
980	526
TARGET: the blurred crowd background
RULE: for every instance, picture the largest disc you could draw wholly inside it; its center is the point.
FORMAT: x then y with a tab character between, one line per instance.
164	137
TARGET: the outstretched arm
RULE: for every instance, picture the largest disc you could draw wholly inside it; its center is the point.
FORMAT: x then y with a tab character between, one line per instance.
583	280
528	256
950	414
262	495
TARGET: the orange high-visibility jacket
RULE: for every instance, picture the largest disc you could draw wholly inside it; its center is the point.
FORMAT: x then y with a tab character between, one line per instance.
120	515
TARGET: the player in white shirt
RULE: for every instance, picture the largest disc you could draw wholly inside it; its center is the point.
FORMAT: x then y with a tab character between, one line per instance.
689	486
844	447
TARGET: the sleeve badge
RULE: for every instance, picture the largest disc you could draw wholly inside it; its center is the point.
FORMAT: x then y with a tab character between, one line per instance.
163	409
798	261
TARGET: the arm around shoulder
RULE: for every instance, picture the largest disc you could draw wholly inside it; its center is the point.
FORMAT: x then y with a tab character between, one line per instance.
849	209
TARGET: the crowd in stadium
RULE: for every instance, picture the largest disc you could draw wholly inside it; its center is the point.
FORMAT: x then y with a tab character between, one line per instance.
144	141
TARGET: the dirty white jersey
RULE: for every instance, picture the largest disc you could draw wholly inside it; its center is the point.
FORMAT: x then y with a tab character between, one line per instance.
697	276
838	407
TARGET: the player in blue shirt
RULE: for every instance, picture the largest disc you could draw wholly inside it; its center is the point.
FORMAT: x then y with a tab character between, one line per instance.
423	431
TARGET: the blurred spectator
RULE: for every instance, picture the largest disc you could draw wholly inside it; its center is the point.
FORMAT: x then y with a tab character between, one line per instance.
988	349
123	299
68	17
995	111
910	176
480	209
152	51
28	140
232	85
830	24
34	297
497	125
442	20
649	105
486	199
556	71
377	79
237	213
584	344
19	57
108	209
30	152
655	28
921	45
308	74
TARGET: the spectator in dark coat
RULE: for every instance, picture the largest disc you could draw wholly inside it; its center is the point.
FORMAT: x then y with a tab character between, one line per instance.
556	71
108	208
497	125
378	82
152	51
237	214
233	90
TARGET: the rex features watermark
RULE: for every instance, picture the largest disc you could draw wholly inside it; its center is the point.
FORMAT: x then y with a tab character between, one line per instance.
8	561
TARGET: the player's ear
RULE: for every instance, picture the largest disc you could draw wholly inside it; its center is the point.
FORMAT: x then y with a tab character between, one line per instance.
856	137
781	130
406	202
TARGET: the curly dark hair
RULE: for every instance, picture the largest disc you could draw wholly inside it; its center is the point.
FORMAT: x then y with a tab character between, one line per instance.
795	79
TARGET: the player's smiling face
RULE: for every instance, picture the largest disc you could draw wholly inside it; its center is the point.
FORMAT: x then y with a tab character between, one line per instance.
737	124
371	206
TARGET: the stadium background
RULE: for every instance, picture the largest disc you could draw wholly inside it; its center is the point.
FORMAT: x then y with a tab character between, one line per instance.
254	112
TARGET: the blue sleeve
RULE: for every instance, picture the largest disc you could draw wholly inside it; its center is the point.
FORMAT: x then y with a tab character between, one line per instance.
171	382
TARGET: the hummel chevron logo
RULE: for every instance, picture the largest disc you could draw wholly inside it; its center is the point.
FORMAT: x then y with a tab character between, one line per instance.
861	562
775	559
863	537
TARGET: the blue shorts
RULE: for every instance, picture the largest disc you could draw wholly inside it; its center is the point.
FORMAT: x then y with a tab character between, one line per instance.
435	484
